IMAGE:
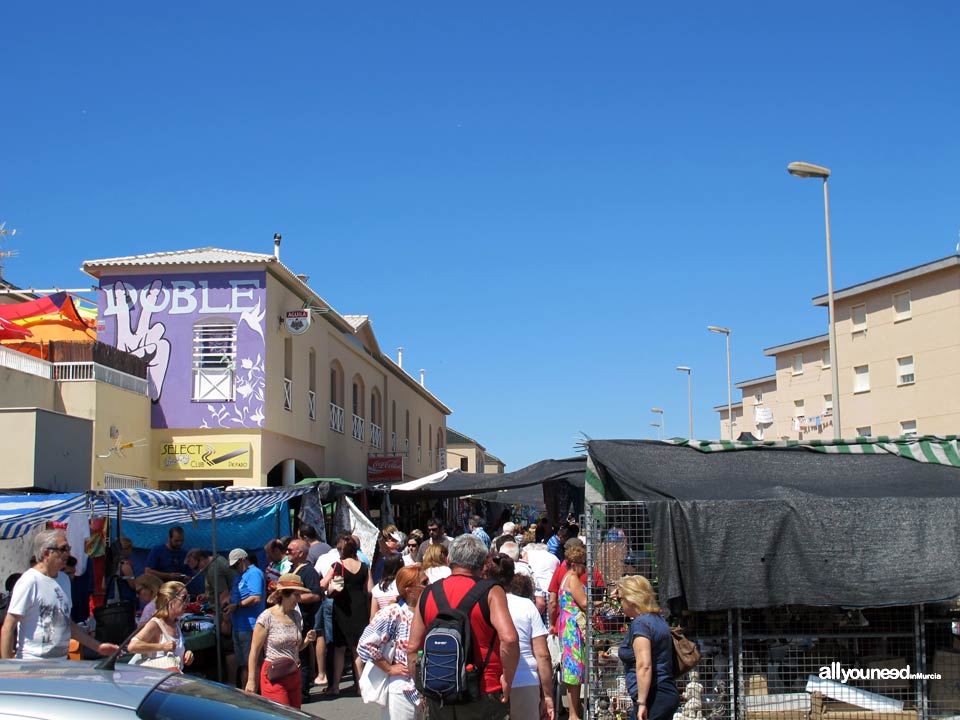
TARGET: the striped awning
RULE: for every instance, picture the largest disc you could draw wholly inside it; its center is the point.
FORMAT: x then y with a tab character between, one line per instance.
19	513
938	449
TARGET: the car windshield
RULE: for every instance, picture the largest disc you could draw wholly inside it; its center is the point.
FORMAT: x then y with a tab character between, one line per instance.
180	696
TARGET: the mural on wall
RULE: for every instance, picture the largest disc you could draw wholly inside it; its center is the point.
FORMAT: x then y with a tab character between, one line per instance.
202	336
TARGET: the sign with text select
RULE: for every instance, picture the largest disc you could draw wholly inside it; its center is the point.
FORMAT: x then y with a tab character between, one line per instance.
205	456
384	469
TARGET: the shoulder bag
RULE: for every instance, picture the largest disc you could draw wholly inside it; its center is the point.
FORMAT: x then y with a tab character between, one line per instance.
374	682
686	654
281	668
336	582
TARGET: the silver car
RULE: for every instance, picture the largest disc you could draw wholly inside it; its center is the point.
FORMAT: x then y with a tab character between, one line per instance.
76	690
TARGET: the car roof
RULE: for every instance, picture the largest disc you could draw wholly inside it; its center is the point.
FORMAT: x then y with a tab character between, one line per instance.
126	686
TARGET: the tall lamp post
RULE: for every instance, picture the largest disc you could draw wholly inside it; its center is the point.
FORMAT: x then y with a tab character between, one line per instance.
663	422
689	372
726	331
806	170
657	426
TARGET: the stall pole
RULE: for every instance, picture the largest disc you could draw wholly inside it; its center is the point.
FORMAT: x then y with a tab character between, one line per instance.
216	591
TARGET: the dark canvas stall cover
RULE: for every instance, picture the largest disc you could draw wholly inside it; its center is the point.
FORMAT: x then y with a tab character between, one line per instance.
765	526
457	484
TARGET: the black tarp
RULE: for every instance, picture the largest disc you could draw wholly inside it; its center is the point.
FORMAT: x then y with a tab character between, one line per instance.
571	470
777	526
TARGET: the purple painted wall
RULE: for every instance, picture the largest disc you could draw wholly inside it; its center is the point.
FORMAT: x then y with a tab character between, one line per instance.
153	316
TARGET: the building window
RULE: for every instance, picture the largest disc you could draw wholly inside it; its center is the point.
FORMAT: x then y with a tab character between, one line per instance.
828	404
825	357
214	361
288	358
336	383
865	431
798	364
901	306
858	315
908	428
861	379
905	374
798	411
464	464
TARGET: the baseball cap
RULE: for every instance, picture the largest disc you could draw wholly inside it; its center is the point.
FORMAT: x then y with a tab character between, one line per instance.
236	555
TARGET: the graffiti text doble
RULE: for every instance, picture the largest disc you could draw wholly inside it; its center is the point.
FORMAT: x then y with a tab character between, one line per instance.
182	297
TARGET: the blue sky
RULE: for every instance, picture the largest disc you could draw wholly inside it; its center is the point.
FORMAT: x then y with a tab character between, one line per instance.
544	203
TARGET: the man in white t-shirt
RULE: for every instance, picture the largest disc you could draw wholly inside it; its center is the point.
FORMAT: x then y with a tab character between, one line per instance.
542	562
324	621
39	612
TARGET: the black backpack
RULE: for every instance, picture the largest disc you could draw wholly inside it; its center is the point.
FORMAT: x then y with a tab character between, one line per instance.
446	673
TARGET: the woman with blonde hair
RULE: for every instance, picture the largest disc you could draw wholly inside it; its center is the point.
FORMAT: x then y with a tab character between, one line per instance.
392	625
571	622
277	634
647	652
436	563
160	637
147	587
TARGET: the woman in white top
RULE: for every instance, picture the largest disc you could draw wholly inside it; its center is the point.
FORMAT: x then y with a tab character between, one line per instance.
533	670
435	562
385	592
161	636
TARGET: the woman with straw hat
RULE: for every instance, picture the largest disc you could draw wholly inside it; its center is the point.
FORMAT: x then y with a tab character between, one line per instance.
277	635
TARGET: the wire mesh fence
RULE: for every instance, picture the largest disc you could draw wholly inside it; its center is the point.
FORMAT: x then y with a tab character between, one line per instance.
784	663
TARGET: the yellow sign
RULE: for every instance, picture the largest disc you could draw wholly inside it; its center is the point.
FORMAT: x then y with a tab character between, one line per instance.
205	456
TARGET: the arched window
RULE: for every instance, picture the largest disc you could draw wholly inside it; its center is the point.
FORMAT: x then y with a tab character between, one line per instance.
430	442
214	360
376	411
358	396
336	383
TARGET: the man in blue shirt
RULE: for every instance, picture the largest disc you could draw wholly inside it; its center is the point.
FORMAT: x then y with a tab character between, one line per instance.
475	525
168	562
247	601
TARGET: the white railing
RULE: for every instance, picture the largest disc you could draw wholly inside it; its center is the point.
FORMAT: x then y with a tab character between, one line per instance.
287	394
25	363
358	428
441	459
112	481
336	418
393	442
406	447
376	436
79	371
312	404
419	454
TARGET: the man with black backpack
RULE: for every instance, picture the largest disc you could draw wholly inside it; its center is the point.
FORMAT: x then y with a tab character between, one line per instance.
464	642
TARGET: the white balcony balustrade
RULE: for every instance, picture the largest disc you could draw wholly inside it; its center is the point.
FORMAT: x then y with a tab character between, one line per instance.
376	436
287	394
312	404
336	418
358	428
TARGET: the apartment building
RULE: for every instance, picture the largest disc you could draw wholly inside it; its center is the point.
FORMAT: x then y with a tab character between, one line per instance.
254	379
468	455
898	362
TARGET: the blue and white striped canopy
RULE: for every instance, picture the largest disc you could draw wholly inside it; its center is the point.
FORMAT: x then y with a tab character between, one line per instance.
19	513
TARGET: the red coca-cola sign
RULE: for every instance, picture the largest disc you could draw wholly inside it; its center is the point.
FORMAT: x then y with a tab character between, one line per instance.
384	469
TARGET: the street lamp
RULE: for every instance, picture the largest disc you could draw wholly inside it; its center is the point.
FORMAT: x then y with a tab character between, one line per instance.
806	170
663	421
726	331
657	426
689	372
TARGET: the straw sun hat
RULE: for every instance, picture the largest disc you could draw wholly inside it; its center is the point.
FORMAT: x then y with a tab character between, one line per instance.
287	581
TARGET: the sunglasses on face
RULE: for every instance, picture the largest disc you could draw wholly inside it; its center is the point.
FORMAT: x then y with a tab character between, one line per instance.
59	549
433	529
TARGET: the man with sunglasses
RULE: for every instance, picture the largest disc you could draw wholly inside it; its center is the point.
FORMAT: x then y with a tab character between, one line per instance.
437	537
39	613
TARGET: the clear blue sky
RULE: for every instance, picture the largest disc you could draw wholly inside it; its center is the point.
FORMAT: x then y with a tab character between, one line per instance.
545	203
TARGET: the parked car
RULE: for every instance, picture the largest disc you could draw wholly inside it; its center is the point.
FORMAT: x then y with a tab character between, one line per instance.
77	690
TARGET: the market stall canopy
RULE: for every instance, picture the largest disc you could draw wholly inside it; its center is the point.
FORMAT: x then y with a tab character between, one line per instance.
749	525
19	513
50	318
454	483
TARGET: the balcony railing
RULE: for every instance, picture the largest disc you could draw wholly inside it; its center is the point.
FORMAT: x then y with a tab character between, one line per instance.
406	447
393	442
419	454
287	394
336	418
79	371
358	428
312	404
376	436
441	459
25	363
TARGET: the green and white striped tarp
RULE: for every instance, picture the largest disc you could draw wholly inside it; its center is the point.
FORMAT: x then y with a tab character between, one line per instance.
939	449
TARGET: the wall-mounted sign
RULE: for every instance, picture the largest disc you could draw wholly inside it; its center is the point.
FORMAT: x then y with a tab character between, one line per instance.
205	456
297	322
384	469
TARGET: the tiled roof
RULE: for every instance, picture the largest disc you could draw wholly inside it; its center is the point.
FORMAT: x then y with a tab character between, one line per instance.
197	256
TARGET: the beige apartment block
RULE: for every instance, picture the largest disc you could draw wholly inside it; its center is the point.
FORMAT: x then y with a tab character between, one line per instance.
898	361
492	464
466	454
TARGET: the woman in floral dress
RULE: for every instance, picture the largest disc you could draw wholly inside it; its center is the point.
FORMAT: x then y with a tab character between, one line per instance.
570	623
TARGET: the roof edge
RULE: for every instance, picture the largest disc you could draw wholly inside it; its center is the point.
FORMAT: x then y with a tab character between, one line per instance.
797	344
891	279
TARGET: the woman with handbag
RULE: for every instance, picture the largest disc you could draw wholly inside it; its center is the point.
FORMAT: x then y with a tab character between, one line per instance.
277	635
647	652
383	646
159	642
351	606
571	624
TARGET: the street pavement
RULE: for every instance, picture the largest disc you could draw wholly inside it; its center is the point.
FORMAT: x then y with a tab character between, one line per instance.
345	706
